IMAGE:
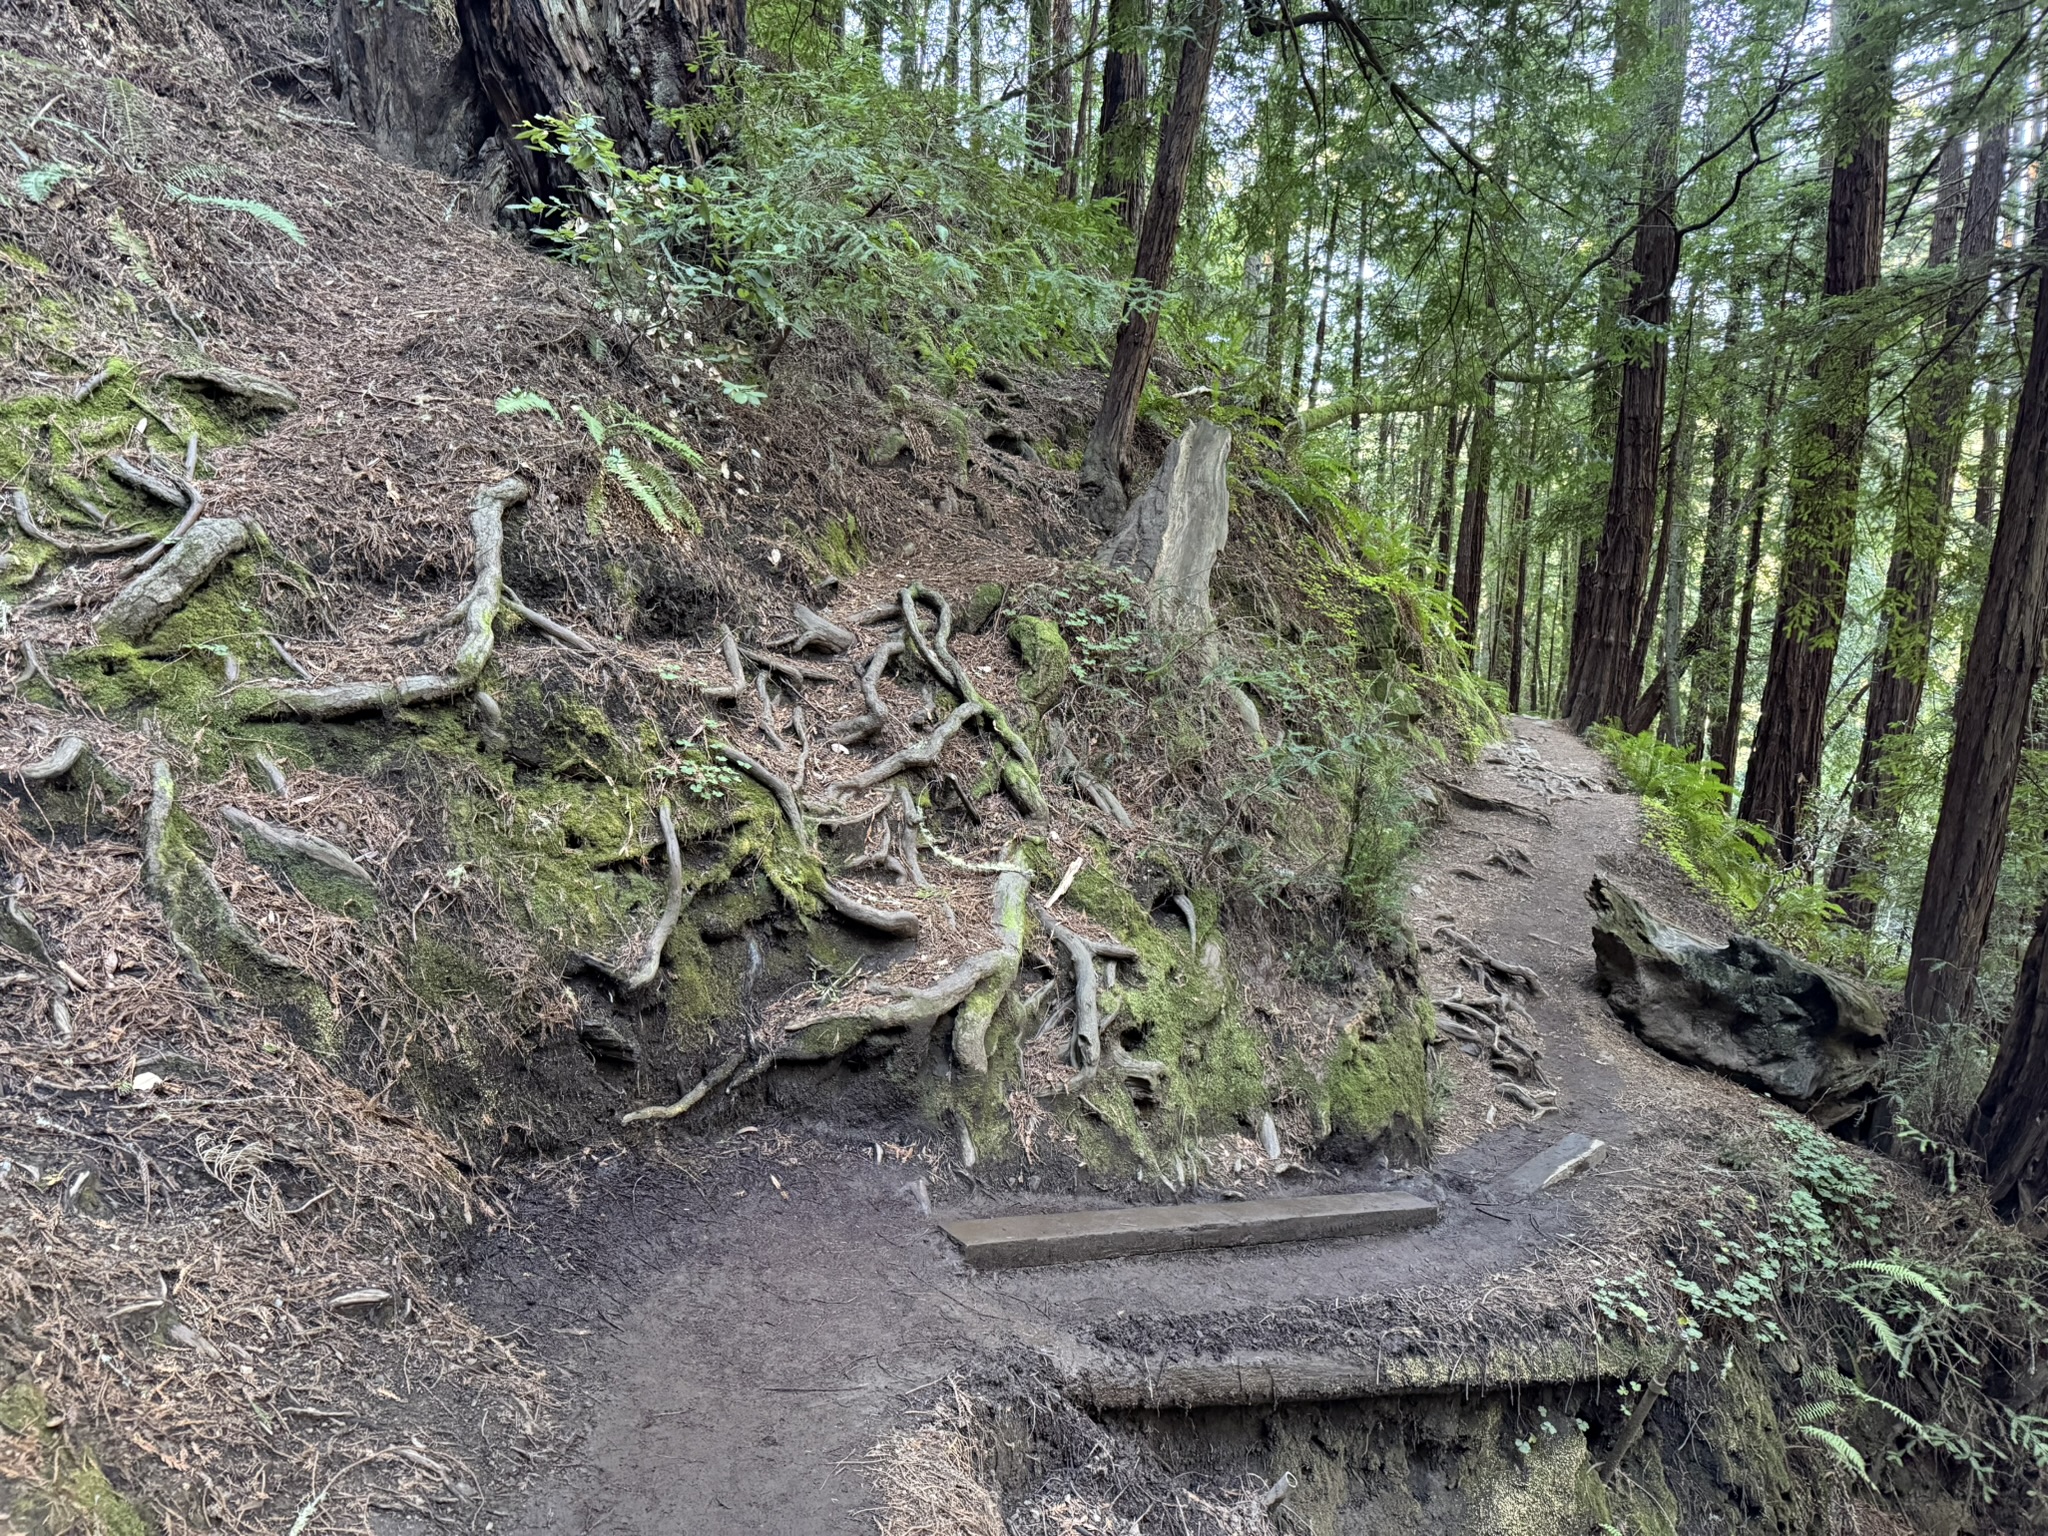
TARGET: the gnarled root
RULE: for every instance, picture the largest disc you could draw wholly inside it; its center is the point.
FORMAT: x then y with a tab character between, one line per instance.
863	726
156	594
1082	953
689	1101
77	549
1506	970
970	1025
300	845
897	921
479	609
547	626
815	632
918	755
826	1035
777	786
1020	766
648	967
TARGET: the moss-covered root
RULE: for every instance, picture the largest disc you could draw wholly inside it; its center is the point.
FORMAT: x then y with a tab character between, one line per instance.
314	867
479	612
970	1026
1020	767
160	591
825	1035
207	931
69	790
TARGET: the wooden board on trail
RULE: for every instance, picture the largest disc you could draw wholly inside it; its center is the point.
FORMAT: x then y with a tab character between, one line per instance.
1074	1237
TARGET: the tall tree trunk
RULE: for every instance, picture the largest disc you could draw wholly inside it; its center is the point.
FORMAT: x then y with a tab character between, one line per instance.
1060	88
1827	456
618	61
949	66
1705	645
1520	535
1120	134
1077	163
1447	497
1102	464
1604	671
1038	78
1471	562
2010	1128
1936	415
407	80
1999	674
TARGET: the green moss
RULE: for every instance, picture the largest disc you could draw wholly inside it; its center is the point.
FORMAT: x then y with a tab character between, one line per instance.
1048	663
840	547
1378	1089
206	927
982	606
74	1494
321	884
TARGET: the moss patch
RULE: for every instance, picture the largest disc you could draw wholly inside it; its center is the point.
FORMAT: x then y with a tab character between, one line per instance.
1048	662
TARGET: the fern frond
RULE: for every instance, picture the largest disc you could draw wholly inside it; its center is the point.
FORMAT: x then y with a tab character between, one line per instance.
40	182
628	474
1817	1413
591	424
1844	1453
520	401
1887	1336
261	212
666	439
1905	1275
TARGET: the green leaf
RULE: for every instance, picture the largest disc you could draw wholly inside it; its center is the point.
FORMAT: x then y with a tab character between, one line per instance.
520	401
740	393
39	183
1842	1451
262	212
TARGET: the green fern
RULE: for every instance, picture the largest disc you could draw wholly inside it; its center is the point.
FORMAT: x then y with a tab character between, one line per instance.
1903	1275
521	401
40	183
261	212
665	439
591	424
1845	1454
629	474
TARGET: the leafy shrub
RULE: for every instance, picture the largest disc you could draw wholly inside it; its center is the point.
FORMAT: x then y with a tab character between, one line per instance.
1686	806
839	199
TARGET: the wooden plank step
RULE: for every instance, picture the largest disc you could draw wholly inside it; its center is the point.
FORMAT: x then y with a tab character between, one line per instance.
1075	1237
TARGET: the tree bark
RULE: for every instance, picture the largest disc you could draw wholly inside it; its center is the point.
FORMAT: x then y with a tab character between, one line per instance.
1999	674
1077	163
623	62
1447	497
1120	135
1523	495
2010	1128
1706	643
1604	670
408	80
1820	517
1471	561
1102	471
1936	414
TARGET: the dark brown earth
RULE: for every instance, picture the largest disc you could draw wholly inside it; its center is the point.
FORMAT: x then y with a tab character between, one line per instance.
742	1331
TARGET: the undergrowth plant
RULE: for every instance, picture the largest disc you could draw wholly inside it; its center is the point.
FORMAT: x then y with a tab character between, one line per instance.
1906	1341
1687	808
838	200
640	473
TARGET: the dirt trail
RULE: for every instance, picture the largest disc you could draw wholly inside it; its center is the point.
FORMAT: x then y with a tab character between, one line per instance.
738	1353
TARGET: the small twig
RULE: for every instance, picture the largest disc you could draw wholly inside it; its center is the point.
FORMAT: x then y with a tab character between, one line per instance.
549	627
287	657
85	391
693	1098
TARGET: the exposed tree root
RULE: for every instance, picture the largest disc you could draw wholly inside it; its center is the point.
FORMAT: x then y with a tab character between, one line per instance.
1082	953
271	771
250	389
815	632
207	930
911	821
860	727
767	715
825	1035
776	785
642	975
1506	970
549	627
795	671
896	921
920	754
77	549
18	933
693	1098
303	845
487	524
970	1026
152	597
1473	801
1020	767
90	386
151	481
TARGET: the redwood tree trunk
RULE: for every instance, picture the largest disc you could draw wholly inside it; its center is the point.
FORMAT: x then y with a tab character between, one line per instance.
2010	1129
622	61
1820	517
1999	674
1471	562
1936	414
1102	465
1605	673
1120	136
